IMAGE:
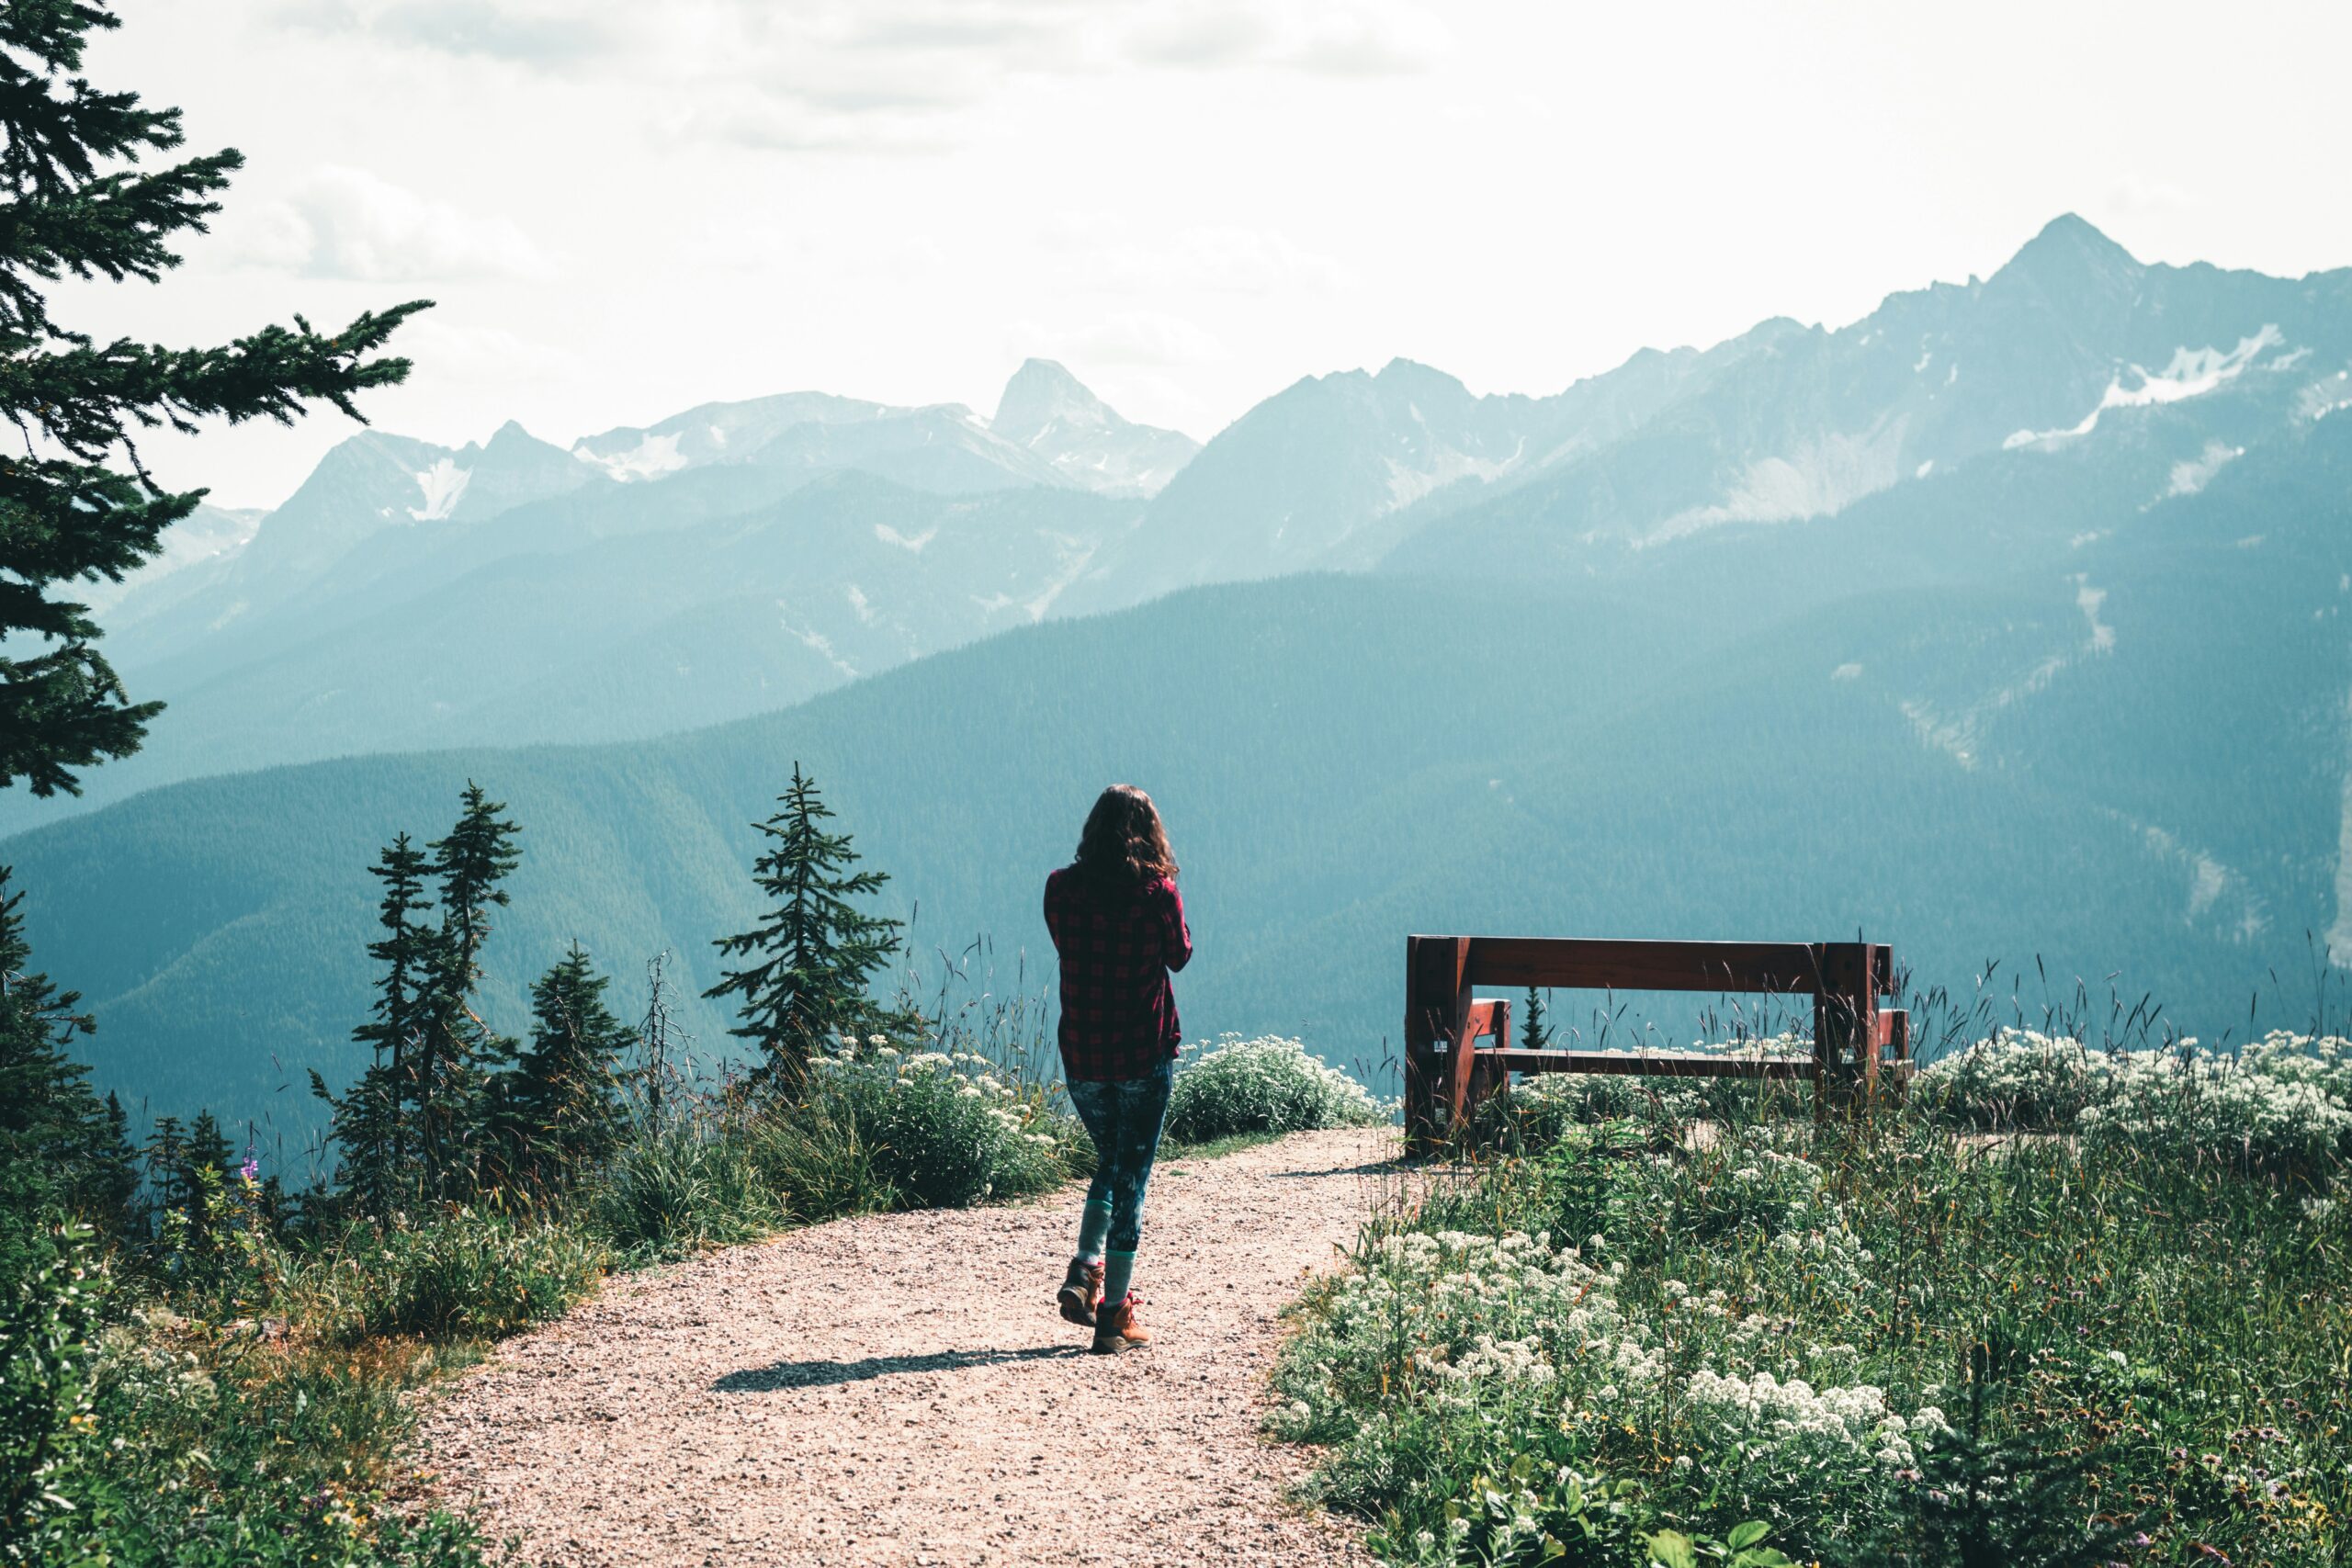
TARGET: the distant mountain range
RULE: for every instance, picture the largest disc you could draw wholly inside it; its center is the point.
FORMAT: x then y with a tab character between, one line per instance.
2006	622
741	556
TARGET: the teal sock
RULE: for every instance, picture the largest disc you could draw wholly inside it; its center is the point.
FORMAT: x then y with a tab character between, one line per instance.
1118	1269
1094	1227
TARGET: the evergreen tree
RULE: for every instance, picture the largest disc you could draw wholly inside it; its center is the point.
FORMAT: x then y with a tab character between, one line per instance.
370	1123
79	504
208	1159
363	1123
1532	1034
454	1045
814	951
166	1157
114	1191
559	1107
59	1148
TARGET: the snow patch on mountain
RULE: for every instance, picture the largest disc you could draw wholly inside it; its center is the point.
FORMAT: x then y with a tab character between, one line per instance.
1955	738
1409	484
2211	883
443	485
2089	600
1077	554
889	535
649	459
2192	474
815	640
2324	397
2193	373
1818	478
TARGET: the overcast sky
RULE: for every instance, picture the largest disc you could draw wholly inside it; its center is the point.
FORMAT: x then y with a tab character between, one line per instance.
627	209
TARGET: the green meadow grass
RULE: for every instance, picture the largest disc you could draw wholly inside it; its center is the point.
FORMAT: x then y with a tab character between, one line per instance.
1884	1343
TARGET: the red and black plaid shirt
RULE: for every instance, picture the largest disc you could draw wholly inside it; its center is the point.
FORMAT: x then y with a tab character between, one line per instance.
1117	945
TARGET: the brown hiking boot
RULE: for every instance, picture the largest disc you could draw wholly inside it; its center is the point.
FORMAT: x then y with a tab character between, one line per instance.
1081	1290
1116	1327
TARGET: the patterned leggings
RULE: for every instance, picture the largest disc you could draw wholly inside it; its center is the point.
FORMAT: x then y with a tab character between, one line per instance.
1124	1118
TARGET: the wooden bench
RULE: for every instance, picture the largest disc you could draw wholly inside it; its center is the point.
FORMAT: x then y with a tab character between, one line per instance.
1856	1042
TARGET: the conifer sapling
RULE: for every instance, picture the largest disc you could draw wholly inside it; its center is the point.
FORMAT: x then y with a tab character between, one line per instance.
814	952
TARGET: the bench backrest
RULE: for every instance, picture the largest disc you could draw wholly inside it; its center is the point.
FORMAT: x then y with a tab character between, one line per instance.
1845	980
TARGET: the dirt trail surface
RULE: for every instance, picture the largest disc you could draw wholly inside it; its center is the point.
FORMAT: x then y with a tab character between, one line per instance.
897	1388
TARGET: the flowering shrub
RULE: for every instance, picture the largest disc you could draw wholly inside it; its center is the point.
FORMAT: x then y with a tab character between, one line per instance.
1269	1085
937	1129
2015	1079
2285	1101
1778	1435
1467	1341
2281	1104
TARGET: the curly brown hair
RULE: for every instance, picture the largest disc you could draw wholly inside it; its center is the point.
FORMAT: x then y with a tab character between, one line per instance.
1123	839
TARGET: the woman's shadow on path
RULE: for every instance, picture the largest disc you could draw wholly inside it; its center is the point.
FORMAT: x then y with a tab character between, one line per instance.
783	1375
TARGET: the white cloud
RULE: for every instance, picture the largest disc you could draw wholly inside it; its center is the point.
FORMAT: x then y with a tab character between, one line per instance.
444	347
1145	337
879	76
1353	37
768	122
1095	253
531	31
1370	40
348	223
1201	35
2135	195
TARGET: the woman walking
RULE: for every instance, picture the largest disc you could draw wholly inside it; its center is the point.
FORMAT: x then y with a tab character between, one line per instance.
1118	924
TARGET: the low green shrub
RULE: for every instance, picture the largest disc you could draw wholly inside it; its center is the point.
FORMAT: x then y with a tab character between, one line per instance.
455	1275
48	1320
1267	1084
161	1440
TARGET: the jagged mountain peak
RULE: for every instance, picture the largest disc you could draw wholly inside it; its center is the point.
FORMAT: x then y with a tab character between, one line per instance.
1409	369
1043	393
1050	413
2071	261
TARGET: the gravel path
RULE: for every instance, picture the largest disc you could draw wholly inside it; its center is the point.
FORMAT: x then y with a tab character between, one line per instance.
897	1388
